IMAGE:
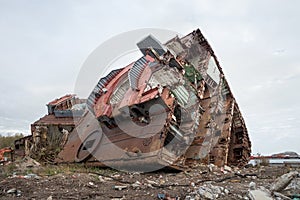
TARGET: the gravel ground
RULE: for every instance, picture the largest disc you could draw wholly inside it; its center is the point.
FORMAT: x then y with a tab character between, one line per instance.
82	183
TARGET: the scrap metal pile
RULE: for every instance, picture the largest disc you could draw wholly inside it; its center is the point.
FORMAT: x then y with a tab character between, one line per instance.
50	133
3	151
171	108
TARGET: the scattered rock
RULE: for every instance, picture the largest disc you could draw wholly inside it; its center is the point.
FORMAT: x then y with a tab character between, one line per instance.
212	167
210	191
116	176
205	193
227	168
252	186
91	185
283	181
120	187
226	191
31	176
194	185
281	196
107	179
151	182
101	179
14	191
136	185
30	163
259	195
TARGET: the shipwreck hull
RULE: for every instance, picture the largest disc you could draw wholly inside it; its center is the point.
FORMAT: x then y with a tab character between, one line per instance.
117	149
142	137
173	107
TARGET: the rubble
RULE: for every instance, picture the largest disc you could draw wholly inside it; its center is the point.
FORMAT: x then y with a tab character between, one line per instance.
50	198
257	194
283	181
15	192
120	187
4	151
28	163
136	185
281	196
50	133
31	176
209	192
227	168
188	185
252	186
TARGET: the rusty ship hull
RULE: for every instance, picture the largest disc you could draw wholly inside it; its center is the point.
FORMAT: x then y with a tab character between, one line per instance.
141	128
172	108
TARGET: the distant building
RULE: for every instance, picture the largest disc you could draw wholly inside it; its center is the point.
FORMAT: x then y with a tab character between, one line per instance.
291	159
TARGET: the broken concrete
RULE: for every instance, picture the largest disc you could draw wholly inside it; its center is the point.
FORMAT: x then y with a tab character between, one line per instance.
259	195
210	191
283	181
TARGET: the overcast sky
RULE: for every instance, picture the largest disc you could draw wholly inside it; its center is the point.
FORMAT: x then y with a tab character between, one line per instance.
44	44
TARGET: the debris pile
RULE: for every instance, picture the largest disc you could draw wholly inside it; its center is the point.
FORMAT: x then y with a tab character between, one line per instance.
262	183
279	189
4	151
50	133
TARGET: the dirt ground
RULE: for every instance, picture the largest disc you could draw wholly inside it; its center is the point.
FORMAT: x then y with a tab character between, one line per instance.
69	182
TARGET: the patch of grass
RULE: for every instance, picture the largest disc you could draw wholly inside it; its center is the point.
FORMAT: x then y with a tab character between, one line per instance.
8	170
51	170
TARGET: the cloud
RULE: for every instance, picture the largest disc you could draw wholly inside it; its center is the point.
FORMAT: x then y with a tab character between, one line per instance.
14	125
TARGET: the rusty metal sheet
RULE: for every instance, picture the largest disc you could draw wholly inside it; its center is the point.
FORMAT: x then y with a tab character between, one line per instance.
61	99
52	120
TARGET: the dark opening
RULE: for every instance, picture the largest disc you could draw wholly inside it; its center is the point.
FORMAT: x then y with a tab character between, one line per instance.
211	159
226	120
135	112
177	114
238	153
109	123
88	144
218	133
222	140
168	139
239	137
